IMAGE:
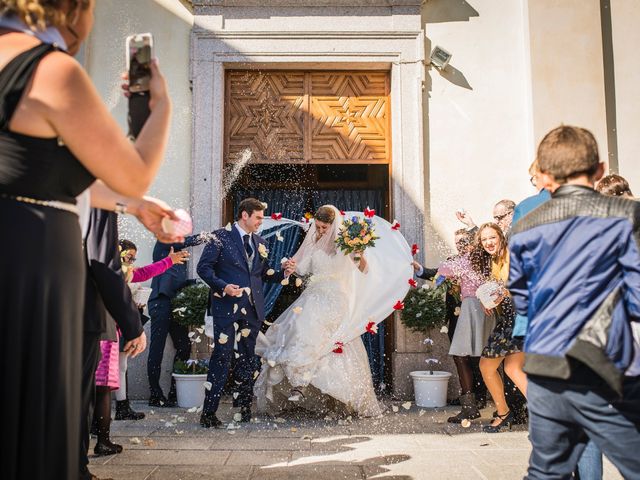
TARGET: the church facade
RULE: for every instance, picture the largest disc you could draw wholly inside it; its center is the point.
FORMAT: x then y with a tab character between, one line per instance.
342	97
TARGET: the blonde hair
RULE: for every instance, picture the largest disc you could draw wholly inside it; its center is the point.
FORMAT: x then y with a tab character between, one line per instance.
39	14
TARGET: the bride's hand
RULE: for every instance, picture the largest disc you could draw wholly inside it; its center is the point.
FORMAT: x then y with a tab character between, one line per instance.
362	263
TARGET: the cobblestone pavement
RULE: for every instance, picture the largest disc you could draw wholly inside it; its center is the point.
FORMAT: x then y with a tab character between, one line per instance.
412	443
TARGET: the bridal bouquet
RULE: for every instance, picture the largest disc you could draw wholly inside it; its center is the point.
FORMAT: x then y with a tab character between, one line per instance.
355	235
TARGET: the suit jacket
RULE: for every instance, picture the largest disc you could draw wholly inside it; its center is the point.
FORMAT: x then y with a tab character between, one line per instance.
174	278
224	261
106	287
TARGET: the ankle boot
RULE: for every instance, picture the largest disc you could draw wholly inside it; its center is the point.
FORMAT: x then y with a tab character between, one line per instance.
469	409
125	412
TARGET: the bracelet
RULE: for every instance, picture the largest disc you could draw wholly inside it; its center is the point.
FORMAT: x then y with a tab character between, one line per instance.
121	208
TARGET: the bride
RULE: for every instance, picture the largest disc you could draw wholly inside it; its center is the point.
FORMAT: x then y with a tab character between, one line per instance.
313	354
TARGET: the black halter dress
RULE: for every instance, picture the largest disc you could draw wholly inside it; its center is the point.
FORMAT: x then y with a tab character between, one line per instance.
41	292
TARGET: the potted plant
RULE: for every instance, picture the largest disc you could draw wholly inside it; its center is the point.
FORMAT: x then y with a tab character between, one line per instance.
425	310
188	309
190	382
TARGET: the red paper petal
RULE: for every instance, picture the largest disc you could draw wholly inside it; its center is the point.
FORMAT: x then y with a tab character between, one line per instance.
414	249
399	305
276	216
413	283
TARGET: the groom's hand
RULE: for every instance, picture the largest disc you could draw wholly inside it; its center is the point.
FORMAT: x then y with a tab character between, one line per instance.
233	290
289	267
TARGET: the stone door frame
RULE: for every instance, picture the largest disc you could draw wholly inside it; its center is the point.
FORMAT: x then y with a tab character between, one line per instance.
400	52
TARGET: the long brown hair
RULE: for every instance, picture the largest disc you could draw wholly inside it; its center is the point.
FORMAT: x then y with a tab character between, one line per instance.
480	258
39	14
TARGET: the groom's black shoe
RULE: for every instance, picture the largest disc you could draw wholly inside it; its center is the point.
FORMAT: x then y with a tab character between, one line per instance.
208	420
245	413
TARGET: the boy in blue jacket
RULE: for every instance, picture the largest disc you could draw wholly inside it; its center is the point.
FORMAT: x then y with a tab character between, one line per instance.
575	272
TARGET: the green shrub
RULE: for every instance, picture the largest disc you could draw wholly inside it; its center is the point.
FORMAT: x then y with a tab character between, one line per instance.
189	305
425	308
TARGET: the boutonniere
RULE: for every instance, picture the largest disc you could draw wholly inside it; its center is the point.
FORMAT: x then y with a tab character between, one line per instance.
262	250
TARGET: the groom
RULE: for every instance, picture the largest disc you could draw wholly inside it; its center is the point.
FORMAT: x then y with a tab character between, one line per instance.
234	265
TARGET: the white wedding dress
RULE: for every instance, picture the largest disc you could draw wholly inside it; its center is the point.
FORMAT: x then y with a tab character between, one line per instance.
315	344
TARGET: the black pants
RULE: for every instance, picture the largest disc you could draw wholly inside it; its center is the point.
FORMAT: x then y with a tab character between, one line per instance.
161	326
245	364
90	359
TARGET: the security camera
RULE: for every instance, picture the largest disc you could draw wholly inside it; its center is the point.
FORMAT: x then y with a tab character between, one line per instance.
440	57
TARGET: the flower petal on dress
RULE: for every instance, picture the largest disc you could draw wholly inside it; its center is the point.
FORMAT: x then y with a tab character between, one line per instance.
399	305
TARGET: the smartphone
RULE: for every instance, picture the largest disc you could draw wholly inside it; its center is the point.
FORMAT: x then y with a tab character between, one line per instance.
139	50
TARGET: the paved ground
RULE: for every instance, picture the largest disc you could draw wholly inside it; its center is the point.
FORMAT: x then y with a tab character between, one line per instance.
407	444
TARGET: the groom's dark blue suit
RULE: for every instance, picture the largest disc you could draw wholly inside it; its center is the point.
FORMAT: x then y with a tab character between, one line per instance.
224	261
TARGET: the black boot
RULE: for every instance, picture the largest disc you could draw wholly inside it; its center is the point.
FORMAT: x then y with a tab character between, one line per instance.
469	409
125	412
245	414
208	420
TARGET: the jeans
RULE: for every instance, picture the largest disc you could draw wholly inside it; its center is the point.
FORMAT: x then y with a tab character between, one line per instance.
564	416
590	463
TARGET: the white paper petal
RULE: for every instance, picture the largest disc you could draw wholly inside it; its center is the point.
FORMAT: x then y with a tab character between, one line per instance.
298	282
271	363
256	374
223	338
216	294
465	423
444	329
134	440
207	385
235	307
236	326
406	405
248	290
192	410
297	310
200	330
228	227
245	332
237	417
243	311
271	271
191	334
285	281
284	259
394	408
235	395
237	355
198	340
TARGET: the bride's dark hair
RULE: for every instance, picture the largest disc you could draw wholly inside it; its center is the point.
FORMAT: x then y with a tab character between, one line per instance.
325	214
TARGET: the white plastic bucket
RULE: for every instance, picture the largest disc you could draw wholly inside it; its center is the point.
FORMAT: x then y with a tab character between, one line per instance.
430	388
190	389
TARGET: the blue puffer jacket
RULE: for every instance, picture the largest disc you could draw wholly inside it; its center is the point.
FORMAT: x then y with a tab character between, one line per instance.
575	271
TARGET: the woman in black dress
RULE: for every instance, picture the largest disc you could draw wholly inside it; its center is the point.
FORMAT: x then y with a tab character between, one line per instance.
56	138
490	258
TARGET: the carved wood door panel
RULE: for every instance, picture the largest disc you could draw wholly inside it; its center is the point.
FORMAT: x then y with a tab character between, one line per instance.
308	117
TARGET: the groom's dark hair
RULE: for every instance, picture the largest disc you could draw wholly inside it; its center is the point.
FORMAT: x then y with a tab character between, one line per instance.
249	205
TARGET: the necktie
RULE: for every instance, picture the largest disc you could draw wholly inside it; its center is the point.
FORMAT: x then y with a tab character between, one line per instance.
247	245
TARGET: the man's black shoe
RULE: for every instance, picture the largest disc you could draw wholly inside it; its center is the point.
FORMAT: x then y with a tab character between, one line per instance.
161	402
208	420
245	412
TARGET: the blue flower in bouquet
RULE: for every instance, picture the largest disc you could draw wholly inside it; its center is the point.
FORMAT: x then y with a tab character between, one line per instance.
440	280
